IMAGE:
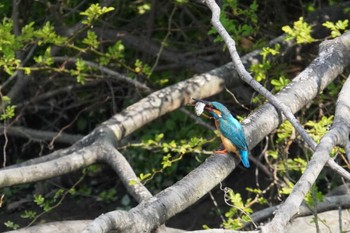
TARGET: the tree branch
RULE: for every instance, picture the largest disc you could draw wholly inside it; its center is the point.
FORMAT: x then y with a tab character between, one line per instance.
32	173
40	135
257	126
338	135
329	203
112	73
245	75
121	166
151	213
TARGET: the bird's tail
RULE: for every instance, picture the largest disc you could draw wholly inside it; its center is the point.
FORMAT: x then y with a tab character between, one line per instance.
244	158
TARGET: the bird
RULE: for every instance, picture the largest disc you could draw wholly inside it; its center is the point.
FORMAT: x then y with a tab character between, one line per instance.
231	131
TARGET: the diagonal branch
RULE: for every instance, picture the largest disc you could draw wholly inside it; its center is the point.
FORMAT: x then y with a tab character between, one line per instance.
246	76
201	180
338	135
297	94
121	166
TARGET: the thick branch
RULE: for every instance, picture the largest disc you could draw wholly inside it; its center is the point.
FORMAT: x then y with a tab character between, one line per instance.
187	191
55	227
121	166
170	201
257	126
329	203
53	168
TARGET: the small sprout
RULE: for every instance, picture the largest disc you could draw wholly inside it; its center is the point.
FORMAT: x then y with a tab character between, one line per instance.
199	108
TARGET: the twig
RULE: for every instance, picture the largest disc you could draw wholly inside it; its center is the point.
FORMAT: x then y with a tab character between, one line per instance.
107	71
40	135
246	76
289	208
163	41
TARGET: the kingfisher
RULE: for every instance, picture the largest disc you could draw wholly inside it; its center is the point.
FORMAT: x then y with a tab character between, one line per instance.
231	131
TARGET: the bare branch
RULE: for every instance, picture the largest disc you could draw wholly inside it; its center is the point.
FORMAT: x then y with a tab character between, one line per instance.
55	227
257	126
149	47
53	168
155	211
329	203
108	71
121	166
338	135
40	135
206	176
245	75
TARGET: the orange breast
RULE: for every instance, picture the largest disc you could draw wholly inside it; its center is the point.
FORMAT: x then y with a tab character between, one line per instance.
229	145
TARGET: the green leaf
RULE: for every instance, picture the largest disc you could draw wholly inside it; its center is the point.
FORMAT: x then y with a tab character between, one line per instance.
259	70
141	68
284	132
144	176
117	50
273	154
166	162
80	70
318	129
257	191
340	25
91	39
6	99
27	70
301	32
27	32
45	59
114	52
280	83
159	137
39	199
133	182
108	195
8	113
47	34
11	225
29	214
142	9
94	12
269	51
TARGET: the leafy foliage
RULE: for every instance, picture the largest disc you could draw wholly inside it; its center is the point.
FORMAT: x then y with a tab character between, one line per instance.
337	27
232	16
94	12
301	32
9	111
238	213
260	69
11	225
68	94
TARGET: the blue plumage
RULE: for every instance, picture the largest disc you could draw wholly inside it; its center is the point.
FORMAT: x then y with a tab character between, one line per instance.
230	129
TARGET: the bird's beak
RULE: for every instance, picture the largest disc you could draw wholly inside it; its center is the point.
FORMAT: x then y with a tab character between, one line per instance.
207	103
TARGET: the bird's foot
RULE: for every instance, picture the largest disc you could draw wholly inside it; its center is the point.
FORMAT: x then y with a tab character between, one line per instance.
220	152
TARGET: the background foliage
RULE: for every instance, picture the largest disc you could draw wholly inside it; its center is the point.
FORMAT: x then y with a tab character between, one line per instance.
66	66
